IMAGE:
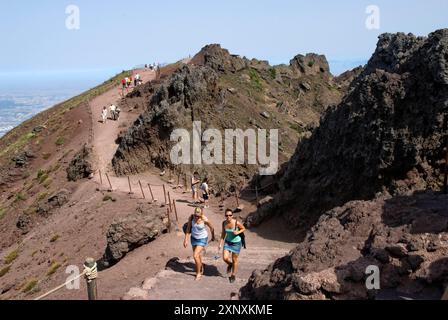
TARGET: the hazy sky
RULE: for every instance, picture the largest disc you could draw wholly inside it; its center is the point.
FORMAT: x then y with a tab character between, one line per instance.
121	34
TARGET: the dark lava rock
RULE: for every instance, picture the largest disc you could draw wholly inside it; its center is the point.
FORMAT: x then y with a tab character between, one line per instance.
386	135
132	232
80	167
55	201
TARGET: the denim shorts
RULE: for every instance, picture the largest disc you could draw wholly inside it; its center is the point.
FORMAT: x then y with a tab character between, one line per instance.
234	247
199	242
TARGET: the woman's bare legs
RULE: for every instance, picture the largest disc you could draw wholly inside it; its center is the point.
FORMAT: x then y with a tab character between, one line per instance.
197	250
235	264
227	257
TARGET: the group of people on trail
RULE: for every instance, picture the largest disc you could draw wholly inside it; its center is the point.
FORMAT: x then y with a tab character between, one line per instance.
231	240
198	185
113	113
152	66
128	81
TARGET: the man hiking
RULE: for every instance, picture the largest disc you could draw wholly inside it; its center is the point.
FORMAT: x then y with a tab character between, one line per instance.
113	112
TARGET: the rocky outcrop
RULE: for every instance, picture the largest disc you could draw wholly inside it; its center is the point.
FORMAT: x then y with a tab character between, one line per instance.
133	231
406	237
22	159
387	134
219	59
24	223
310	64
80	167
55	201
344	80
176	103
223	91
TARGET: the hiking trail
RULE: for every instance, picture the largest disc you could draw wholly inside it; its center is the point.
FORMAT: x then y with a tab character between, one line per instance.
176	280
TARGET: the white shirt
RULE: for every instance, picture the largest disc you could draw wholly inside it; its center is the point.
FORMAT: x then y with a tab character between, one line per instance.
113	108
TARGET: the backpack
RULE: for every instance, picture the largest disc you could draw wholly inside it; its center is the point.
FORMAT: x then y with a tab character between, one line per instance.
242	235
185	226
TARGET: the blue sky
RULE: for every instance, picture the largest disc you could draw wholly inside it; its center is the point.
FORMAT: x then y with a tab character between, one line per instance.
119	34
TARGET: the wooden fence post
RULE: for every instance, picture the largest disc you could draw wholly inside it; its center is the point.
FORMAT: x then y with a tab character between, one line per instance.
108	180
169	219
169	201
175	210
152	194
101	178
164	194
141	188
130	188
92	292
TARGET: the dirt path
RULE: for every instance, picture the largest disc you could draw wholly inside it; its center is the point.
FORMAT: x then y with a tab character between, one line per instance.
105	134
138	265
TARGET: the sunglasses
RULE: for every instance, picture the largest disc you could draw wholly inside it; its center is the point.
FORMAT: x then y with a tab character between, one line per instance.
229	215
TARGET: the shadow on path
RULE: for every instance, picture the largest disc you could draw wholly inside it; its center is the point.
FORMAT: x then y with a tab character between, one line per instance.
189	268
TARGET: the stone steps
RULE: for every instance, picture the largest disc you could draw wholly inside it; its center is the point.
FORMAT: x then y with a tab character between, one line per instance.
177	281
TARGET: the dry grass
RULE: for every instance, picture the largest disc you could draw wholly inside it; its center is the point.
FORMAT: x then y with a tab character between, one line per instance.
10	257
53	268
4	271
29	285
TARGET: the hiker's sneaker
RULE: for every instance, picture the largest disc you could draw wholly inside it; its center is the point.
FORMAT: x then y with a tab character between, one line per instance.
229	268
232	279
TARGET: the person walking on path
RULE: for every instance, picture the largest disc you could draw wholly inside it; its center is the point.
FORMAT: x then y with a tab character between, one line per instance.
113	112
197	232
230	238
205	192
195	181
104	114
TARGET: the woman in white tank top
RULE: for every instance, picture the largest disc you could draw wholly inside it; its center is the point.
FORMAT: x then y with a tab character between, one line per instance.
198	234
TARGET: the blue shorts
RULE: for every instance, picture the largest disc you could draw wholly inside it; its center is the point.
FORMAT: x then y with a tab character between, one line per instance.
199	242
234	247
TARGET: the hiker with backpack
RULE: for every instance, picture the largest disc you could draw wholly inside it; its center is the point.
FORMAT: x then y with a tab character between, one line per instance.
196	230
232	237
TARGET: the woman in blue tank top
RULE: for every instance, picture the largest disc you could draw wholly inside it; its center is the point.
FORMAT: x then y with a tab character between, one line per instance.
230	238
197	232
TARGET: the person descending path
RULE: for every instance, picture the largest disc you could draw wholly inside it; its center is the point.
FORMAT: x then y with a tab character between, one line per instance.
197	231
114	112
230	238
195	181
205	192
104	115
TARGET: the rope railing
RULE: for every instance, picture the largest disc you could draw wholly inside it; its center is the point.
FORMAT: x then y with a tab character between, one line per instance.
90	273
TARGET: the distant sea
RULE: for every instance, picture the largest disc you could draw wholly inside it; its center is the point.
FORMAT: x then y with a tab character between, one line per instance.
25	94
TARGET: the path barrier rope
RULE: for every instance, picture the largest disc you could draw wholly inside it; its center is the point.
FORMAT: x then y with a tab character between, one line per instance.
90	274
